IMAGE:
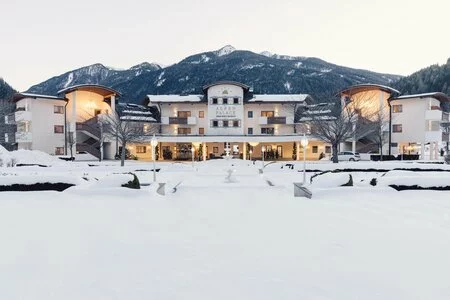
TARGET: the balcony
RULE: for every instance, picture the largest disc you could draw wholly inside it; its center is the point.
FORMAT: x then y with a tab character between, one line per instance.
275	120
24	137
433	115
178	121
23	115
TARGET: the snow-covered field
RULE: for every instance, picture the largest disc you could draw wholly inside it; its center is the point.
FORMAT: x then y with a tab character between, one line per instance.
243	238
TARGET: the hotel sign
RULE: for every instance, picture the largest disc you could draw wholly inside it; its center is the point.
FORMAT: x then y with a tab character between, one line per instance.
226	111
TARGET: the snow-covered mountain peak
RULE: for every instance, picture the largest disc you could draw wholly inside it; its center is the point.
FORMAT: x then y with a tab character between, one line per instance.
225	50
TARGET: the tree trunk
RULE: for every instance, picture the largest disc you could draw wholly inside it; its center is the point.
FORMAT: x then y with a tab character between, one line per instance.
335	153
122	155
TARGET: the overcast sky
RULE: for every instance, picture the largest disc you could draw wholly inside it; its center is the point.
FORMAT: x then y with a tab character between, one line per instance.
45	38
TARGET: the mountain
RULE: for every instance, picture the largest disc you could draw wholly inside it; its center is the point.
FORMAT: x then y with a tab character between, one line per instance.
265	72
6	91
435	78
94	74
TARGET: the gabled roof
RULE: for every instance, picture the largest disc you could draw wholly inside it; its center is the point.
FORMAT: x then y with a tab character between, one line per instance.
436	95
245	87
280	98
20	96
173	98
95	88
369	86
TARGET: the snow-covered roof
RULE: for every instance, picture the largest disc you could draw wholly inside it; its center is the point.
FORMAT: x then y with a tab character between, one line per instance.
369	86
174	98
96	88
20	96
280	98
437	95
138	118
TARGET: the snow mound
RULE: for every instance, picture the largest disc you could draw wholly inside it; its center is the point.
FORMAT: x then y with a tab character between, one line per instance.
5	157
421	179
109	181
330	180
35	157
30	179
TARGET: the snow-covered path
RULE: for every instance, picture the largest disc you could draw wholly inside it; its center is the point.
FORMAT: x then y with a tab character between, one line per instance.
217	240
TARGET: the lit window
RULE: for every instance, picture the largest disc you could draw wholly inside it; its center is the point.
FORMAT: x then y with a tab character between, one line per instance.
201	130
141	149
315	149
184	130
201	114
215	150
397	108
267	114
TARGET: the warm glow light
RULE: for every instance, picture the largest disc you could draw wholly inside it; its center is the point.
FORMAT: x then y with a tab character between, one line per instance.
263	148
304	141
254	144
154	141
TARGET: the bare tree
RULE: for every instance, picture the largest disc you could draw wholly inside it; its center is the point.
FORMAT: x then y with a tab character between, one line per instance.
126	129
7	122
339	121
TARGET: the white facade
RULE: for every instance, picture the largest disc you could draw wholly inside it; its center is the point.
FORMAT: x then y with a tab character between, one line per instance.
228	112
64	125
416	125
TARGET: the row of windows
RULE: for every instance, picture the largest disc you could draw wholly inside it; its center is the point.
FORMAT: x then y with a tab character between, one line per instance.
201	114
201	130
225	100
226	123
429	126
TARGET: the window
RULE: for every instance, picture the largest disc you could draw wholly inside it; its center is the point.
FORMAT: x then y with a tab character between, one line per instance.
315	149
397	108
141	149
215	123
250	114
184	131
267	114
59	151
397	128
201	130
201	114
215	150
225	100
214	101
225	123
58	129
58	109
184	114
266	130
235	100
6	138
235	123
433	126
250	130
327	149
